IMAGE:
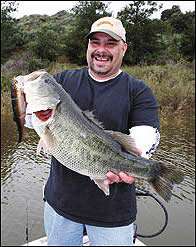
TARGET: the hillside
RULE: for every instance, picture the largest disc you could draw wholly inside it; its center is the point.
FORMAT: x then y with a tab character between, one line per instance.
32	23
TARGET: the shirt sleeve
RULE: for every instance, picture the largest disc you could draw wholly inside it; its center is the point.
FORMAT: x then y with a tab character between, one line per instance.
144	120
146	139
144	108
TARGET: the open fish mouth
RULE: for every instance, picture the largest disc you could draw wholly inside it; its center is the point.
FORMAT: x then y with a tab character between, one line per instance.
18	107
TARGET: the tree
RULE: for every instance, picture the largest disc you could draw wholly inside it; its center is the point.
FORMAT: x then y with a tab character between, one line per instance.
11	36
167	13
85	13
170	44
187	47
182	27
175	17
138	12
141	31
46	43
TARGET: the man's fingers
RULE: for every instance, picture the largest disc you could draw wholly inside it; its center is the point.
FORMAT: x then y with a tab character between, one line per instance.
113	178
121	177
126	178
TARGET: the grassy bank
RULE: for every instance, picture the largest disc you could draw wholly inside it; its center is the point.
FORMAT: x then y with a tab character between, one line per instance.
173	84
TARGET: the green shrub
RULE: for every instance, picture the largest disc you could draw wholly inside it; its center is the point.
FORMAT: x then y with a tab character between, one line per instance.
37	63
172	84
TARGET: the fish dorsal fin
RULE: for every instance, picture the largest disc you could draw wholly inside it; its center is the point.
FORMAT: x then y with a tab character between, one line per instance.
92	118
126	141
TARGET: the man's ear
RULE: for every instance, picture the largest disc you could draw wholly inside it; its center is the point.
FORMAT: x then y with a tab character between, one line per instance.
124	48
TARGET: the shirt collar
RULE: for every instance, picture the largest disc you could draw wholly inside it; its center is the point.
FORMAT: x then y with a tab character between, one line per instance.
103	80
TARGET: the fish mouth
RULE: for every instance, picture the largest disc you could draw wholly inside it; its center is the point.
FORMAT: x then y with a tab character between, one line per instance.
19	108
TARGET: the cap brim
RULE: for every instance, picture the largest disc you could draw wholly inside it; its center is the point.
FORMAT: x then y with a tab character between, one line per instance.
113	35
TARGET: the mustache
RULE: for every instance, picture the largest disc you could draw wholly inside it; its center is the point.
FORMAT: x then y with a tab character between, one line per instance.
102	55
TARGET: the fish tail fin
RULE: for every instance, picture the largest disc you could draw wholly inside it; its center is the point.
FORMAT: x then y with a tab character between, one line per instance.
164	182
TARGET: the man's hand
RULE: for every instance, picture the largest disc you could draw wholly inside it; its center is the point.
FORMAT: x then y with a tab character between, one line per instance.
120	177
43	115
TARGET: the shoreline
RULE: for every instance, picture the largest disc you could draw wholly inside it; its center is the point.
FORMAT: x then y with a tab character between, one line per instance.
164	112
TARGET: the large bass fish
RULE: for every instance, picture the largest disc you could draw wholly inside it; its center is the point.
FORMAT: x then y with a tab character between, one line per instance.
78	141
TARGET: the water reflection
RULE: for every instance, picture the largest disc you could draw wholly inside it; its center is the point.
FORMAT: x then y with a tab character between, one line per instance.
23	175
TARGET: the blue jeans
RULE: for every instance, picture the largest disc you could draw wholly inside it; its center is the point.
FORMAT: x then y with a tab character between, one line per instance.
61	231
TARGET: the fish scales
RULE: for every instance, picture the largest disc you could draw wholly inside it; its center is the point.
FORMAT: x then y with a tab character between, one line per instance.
85	152
78	141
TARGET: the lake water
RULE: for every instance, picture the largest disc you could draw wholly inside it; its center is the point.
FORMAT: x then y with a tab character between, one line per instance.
23	175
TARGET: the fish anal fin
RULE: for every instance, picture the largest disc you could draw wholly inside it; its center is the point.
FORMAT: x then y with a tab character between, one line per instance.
92	118
102	186
126	141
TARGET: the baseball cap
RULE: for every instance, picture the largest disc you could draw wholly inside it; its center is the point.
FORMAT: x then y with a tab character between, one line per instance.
109	25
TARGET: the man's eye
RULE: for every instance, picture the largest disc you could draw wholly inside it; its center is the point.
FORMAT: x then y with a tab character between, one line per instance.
111	43
108	44
94	42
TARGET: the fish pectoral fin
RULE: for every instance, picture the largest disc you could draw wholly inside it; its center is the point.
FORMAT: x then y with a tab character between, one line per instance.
42	147
126	141
46	142
102	186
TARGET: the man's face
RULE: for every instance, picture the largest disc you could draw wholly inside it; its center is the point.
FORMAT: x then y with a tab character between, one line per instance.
104	55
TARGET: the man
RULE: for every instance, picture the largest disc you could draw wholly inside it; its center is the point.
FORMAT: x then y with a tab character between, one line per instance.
121	103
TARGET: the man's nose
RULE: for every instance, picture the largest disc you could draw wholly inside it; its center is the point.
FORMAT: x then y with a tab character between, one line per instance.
102	47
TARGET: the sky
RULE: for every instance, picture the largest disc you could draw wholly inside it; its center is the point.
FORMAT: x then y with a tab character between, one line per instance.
52	7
